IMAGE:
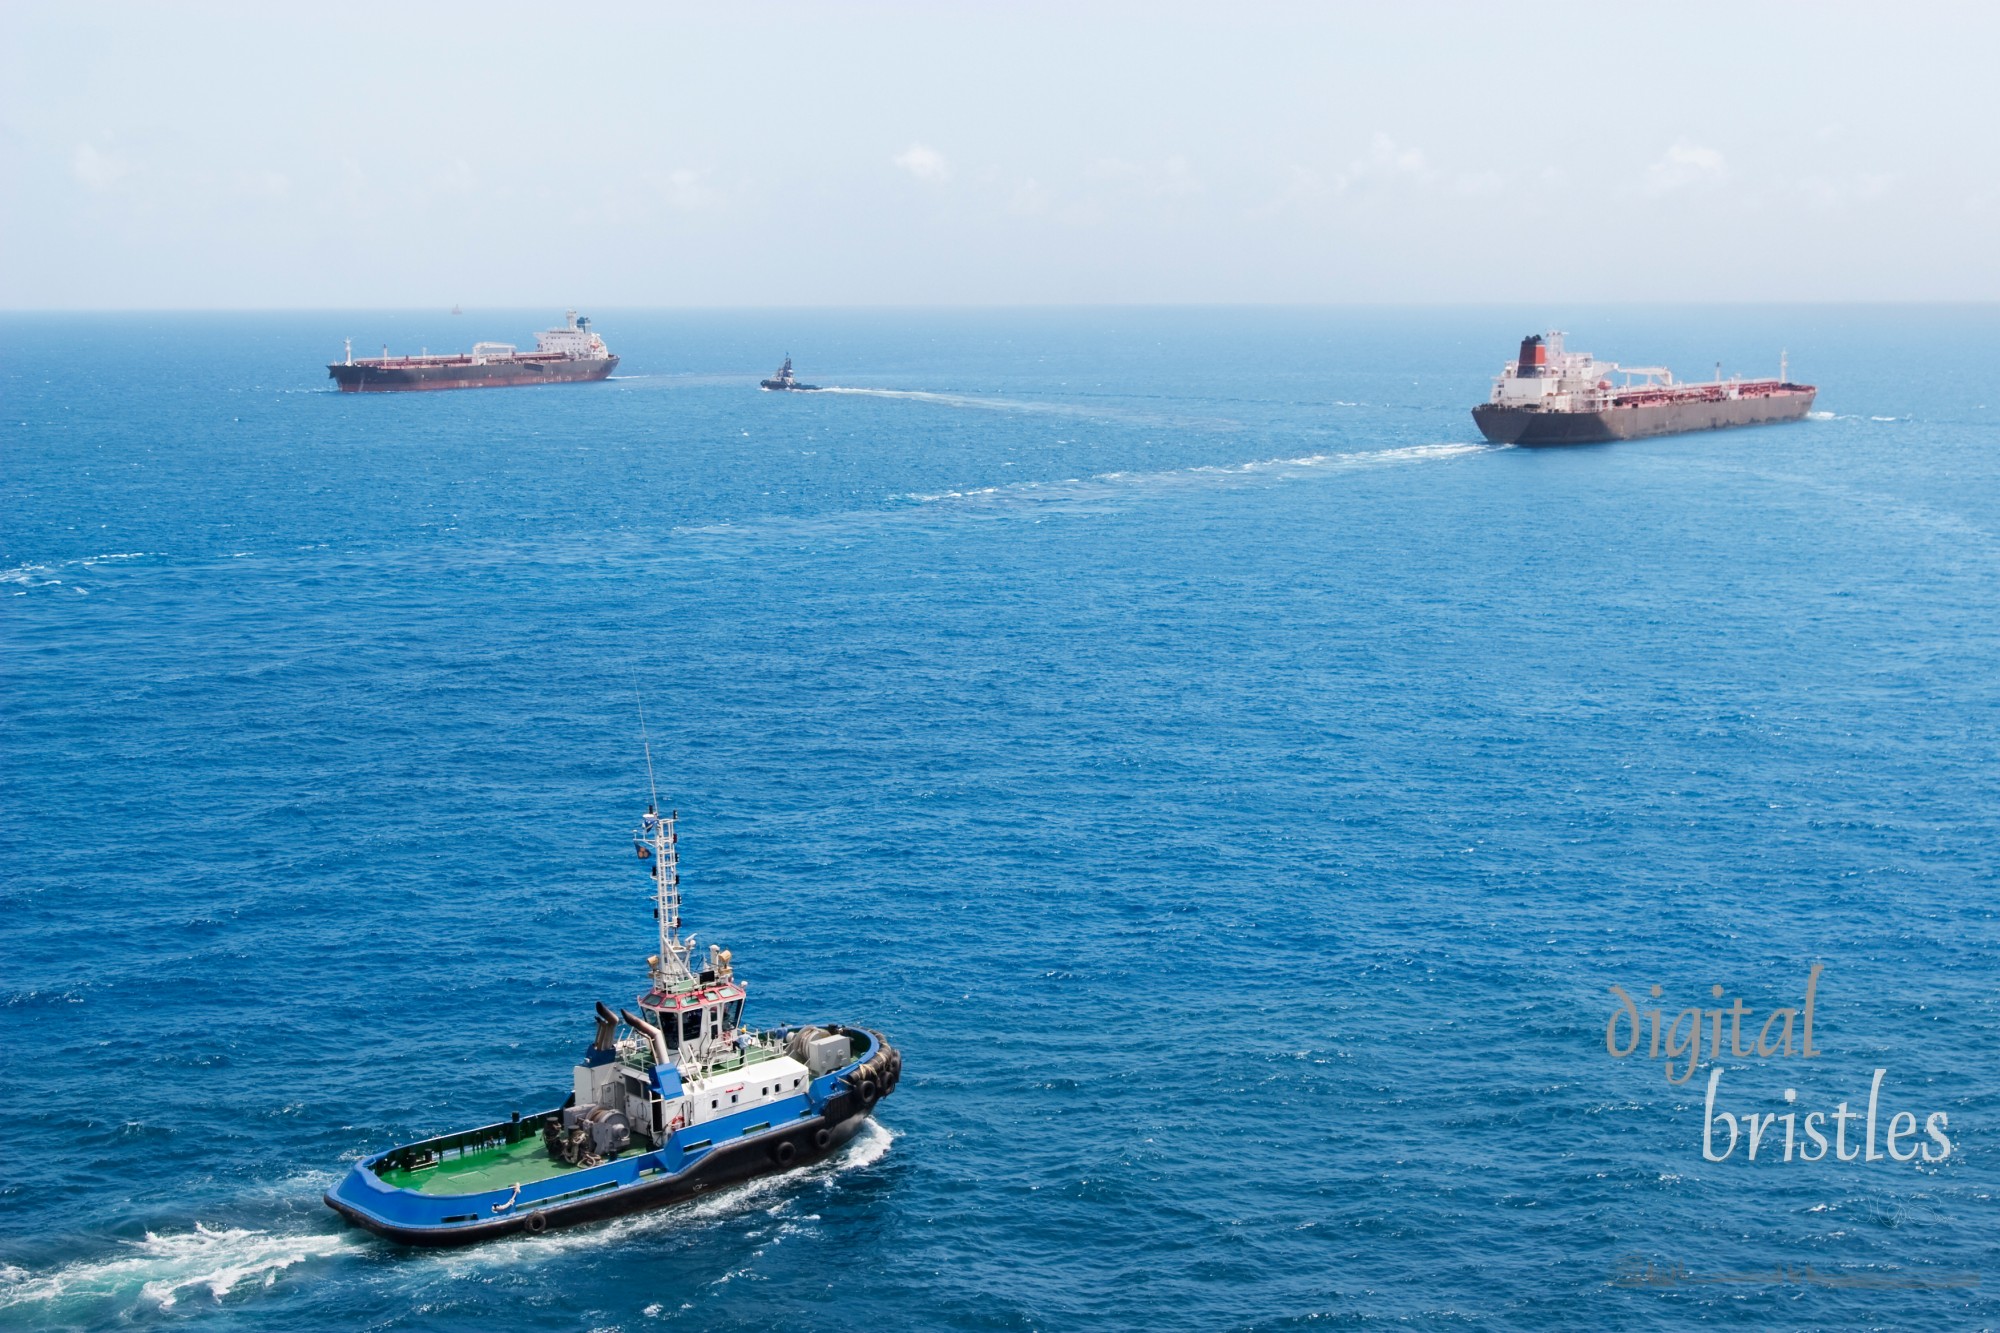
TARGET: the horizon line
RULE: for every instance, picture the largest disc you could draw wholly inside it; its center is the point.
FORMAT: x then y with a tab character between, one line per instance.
905	307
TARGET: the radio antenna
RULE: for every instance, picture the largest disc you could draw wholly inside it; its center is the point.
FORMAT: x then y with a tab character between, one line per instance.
645	740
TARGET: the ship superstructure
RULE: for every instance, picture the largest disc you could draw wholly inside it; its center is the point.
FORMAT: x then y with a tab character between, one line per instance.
1549	395
564	355
666	1102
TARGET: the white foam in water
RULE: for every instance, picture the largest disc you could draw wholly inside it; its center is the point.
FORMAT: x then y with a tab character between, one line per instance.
1819	416
1111	483
866	1148
1099	411
43	576
952	399
161	1269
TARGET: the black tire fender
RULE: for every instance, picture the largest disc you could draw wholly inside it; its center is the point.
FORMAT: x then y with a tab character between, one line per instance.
786	1153
822	1138
868	1091
535	1223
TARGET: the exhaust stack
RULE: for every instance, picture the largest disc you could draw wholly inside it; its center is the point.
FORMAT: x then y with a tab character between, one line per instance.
653	1036
607	1029
1534	355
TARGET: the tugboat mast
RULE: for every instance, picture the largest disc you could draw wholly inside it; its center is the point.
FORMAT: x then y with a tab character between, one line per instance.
659	842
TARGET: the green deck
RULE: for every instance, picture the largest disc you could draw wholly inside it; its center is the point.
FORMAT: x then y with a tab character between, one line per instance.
499	1168
503	1166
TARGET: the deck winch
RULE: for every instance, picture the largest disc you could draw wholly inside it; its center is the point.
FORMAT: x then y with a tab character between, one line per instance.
587	1135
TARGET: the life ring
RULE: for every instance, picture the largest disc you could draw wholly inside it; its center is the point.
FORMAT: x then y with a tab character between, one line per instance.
680	1122
822	1138
535	1223
786	1153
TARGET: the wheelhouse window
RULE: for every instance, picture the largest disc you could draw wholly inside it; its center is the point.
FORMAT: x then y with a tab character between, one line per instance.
730	1013
691	1025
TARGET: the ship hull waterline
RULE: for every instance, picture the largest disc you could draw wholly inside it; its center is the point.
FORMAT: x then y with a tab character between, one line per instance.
743	1160
361	378
1538	429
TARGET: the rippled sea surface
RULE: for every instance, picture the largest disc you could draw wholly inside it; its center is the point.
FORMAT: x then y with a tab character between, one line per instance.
1233	785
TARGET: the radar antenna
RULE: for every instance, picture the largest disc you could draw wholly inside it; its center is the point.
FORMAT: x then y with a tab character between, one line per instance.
652	787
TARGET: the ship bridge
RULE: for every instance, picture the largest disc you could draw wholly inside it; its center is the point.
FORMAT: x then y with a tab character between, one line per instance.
574	340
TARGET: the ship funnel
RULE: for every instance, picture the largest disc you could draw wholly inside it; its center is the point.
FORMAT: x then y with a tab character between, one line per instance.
653	1036
1534	353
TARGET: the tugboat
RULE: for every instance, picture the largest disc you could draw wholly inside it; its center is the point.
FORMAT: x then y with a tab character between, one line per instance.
666	1103
783	382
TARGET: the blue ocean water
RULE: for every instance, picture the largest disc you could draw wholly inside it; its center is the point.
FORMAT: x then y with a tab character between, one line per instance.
1234	786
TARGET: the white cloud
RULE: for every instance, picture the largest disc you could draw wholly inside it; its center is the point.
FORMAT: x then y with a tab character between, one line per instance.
1173	178
1386	160
926	164
1685	166
1839	191
263	184
687	192
1030	199
1385	164
458	178
98	170
1302	185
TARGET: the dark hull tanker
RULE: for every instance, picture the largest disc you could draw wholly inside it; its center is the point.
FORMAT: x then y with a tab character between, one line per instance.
1549	397
568	355
661	1108
397	375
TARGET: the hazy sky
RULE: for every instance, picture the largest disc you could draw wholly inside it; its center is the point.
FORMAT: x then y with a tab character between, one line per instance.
416	155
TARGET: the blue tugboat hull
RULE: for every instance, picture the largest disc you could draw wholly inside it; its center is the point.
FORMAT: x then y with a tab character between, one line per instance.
693	1161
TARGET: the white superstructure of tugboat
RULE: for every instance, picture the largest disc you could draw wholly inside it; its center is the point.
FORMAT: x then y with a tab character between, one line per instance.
666	1103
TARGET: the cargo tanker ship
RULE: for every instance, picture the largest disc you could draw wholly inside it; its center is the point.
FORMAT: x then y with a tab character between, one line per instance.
566	355
1550	396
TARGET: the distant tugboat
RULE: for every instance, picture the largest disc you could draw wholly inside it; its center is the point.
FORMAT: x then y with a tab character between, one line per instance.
562	356
1549	396
783	382
662	1107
